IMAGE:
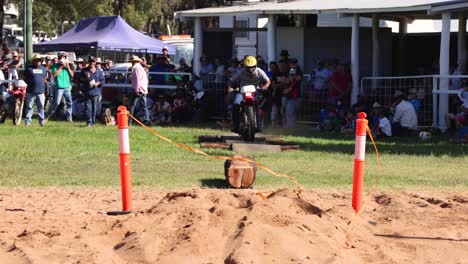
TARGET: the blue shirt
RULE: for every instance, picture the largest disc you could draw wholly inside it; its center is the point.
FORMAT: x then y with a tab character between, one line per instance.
97	76
416	104
158	78
208	68
34	77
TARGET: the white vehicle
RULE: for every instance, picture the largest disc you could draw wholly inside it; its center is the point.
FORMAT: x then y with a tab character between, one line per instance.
13	31
183	45
40	36
120	72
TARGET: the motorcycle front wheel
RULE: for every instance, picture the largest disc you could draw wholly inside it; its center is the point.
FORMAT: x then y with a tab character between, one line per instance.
18	114
249	129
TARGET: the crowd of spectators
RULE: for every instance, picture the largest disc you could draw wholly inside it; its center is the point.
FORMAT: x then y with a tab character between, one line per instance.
76	91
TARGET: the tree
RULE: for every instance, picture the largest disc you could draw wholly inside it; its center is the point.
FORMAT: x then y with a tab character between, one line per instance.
152	16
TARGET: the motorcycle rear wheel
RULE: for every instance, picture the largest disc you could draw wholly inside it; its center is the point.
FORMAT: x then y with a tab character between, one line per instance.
18	114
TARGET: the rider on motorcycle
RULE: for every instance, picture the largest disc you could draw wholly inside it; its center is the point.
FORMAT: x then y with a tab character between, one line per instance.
248	75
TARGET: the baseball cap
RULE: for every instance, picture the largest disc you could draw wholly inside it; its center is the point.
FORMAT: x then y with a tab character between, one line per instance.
376	105
21	83
398	93
165	48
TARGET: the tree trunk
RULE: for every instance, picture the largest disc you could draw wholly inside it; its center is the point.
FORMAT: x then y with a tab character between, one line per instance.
149	25
2	16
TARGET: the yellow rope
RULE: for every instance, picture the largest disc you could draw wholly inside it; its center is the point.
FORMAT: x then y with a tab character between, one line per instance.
200	152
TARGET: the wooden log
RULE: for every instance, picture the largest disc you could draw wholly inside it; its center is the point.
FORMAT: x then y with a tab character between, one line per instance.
215	145
240	174
289	147
248	148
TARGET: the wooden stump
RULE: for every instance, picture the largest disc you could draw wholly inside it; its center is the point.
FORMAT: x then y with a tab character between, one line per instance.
240	174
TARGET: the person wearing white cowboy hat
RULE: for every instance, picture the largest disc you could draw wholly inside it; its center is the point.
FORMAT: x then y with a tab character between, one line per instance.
135	58
140	88
99	64
165	52
35	76
80	64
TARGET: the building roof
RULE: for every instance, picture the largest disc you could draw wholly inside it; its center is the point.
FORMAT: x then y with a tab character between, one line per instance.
329	6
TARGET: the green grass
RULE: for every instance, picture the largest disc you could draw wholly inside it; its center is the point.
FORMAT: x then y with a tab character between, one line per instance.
62	154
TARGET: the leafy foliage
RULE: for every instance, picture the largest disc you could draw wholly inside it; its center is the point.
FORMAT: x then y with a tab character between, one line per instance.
153	16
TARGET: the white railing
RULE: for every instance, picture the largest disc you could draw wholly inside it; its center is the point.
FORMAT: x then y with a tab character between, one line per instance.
126	84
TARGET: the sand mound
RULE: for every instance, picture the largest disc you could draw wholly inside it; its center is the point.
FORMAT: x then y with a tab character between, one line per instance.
230	226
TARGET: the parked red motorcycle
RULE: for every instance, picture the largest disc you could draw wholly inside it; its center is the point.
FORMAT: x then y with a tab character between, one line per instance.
12	102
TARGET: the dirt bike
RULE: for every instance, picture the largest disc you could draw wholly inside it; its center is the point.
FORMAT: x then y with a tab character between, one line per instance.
12	103
247	113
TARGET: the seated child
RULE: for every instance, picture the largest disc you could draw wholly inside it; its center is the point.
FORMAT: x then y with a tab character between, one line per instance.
329	121
385	128
179	106
381	126
414	100
161	111
349	123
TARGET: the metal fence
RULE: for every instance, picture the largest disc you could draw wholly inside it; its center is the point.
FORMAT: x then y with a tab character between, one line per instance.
217	98
382	90
310	102
432	92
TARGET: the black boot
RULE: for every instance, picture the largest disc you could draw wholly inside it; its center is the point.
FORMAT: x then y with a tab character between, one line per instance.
235	118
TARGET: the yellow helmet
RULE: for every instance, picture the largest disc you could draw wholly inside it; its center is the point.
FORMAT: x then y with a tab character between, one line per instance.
250	61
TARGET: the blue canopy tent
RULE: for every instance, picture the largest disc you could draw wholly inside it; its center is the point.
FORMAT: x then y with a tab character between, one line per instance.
109	33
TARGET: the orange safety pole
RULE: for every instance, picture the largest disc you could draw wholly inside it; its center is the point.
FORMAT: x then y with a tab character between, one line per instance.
359	160
125	169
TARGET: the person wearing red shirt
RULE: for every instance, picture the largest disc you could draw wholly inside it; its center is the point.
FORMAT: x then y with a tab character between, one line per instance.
341	86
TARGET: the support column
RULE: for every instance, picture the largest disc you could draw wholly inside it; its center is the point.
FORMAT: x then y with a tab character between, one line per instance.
198	45
462	42
28	47
355	58
271	38
444	63
375	45
403	30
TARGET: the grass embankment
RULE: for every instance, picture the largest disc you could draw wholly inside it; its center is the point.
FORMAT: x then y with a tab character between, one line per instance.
62	154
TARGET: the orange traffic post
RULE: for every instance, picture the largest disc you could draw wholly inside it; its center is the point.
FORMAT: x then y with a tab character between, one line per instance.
359	161
125	168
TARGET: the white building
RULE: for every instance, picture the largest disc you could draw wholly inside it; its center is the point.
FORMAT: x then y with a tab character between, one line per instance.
366	48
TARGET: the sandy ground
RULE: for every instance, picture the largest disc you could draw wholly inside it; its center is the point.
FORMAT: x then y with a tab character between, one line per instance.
231	226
